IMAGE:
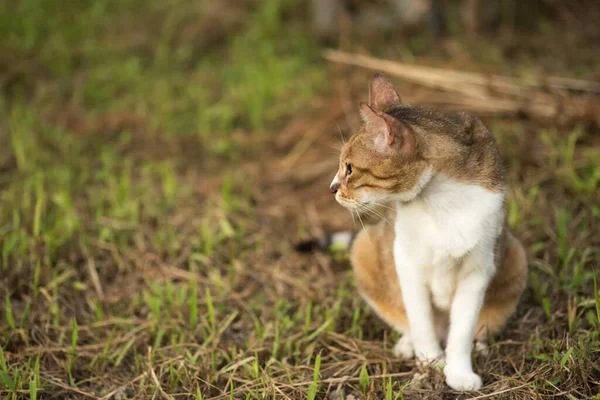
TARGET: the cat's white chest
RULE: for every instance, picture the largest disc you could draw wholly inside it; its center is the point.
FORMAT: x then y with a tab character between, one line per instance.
434	233
442	279
441	272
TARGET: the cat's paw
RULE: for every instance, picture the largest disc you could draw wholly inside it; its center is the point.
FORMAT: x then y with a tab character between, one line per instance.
481	348
404	348
462	379
433	358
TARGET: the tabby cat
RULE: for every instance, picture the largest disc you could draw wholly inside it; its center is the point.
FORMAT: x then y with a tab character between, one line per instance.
444	269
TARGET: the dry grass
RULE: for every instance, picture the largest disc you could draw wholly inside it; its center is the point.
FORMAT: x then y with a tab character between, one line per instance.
152	187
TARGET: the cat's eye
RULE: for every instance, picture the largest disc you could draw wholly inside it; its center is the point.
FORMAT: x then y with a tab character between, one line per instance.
348	169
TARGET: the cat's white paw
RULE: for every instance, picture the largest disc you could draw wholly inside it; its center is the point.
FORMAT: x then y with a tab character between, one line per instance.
433	357
404	348
462	379
481	347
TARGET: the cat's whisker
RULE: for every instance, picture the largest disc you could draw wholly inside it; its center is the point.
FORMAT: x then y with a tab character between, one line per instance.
370	212
341	133
359	209
380	215
336	148
365	207
383	205
363	225
374	212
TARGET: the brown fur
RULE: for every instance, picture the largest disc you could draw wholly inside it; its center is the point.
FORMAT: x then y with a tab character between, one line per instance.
457	145
373	263
397	143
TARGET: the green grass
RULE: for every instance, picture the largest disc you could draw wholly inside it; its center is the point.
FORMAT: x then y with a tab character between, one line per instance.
146	220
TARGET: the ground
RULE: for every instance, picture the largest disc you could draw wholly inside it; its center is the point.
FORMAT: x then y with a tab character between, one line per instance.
158	161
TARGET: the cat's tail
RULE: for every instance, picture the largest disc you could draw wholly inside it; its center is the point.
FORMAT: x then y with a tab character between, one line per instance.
340	239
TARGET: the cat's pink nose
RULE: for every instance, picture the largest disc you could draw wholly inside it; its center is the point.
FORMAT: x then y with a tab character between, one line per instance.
334	187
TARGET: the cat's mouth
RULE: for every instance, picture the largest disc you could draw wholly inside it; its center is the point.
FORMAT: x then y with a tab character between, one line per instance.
353	204
348	203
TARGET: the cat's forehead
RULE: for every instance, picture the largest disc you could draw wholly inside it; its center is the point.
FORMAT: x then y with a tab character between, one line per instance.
350	147
359	147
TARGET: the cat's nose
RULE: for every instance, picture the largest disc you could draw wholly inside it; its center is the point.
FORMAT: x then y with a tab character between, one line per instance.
334	187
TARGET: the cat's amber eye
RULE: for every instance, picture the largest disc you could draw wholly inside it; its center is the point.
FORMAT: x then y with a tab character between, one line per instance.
348	169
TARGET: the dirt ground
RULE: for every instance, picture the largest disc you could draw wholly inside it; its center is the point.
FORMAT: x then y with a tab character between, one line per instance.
158	163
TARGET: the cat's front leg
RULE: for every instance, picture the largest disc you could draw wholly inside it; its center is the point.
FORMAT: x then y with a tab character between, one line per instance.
420	320
417	303
473	281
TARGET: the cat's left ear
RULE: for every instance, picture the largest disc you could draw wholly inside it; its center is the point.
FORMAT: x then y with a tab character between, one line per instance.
382	95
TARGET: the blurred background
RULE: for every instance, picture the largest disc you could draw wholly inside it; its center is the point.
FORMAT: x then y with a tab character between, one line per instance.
159	159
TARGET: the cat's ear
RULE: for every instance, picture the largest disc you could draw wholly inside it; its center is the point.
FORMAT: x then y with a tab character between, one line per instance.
382	95
388	132
376	125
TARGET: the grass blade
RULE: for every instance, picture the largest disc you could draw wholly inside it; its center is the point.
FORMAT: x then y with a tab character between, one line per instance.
363	378
10	319
312	391
193	304
597	298
33	389
317	370
211	309
74	336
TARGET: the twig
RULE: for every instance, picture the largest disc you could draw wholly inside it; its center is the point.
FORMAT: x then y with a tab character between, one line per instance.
356	379
343	379
89	347
70	388
155	378
123	387
498	94
94	277
485	396
496	82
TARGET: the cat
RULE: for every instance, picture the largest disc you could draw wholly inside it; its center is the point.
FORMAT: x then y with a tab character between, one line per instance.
444	269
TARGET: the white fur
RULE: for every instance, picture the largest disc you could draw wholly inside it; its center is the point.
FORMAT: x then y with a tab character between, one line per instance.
444	253
445	235
481	348
404	348
335	180
411	194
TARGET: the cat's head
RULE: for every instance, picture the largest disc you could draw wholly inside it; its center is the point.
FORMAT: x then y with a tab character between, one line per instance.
381	161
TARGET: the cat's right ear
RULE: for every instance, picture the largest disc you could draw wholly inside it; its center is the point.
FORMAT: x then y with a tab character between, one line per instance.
377	126
388	133
382	95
